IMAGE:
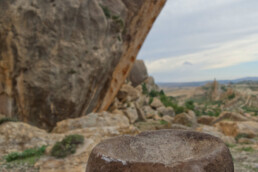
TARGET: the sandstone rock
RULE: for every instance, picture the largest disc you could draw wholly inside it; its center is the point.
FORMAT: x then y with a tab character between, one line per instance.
92	120
140	112
150	84
168	118
247	128
207	120
129	93
157	117
156	103
138	73
131	114
215	132
230	116
187	119
64	59
169	111
17	136
149	112
165	150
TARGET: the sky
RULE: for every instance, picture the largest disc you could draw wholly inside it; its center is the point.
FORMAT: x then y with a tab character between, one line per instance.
197	40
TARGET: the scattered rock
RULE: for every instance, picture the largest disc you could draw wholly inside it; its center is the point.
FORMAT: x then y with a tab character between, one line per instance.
129	93
168	118
230	128
215	132
165	150
150	84
187	119
149	112
131	114
156	103
169	111
92	120
138	73
207	120
230	116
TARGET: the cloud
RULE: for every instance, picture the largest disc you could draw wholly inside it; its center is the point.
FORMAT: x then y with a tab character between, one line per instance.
211	35
223	55
186	63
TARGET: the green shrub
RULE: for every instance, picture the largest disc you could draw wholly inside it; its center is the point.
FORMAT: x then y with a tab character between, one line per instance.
153	93
161	93
106	11
3	120
162	122
230	97
67	146
246	149
189	104
144	89
150	100
25	154
241	135
167	101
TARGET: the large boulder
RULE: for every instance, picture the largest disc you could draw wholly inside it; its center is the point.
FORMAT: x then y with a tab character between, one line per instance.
164	150
61	58
138	73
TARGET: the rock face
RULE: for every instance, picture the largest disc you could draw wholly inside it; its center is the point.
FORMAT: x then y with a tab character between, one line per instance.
164	150
138	73
61	59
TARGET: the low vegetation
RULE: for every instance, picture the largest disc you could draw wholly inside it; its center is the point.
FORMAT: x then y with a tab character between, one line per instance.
29	156
4	120
67	146
247	149
166	100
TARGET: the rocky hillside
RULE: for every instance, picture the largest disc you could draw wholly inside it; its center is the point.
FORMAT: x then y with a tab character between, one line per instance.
135	109
63	59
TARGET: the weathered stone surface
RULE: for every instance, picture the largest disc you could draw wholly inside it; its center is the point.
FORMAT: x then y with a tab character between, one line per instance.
164	150
129	93
187	119
207	120
230	116
215	132
92	120
18	136
150	84
138	73
168	118
64	59
230	128
169	111
131	114
156	103
149	112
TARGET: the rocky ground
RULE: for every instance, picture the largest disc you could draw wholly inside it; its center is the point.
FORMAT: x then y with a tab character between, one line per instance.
134	110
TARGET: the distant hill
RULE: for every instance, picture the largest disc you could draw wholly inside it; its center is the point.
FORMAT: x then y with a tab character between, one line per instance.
201	83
